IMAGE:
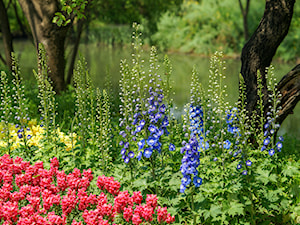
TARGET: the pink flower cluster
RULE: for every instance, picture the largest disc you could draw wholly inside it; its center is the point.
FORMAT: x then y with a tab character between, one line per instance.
30	194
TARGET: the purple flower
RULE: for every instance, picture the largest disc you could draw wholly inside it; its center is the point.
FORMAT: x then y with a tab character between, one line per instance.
197	181
186	180
139	156
151	141
248	163
152	128
279	146
142	123
123	151
239	166
281	138
245	172
271	152
182	188
266	141
172	147
126	144
227	144
162	108
126	159
148	152
131	154
141	144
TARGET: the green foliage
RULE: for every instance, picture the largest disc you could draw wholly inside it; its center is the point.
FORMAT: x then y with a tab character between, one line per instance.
288	49
69	10
266	191
206	26
46	95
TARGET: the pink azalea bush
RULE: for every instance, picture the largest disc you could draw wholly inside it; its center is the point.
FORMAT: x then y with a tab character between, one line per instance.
30	194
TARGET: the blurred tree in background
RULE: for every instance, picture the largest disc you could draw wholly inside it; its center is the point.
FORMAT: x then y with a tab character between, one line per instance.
195	26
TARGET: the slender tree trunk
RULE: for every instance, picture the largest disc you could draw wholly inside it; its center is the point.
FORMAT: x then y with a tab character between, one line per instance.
21	25
258	53
39	14
6	34
74	51
245	11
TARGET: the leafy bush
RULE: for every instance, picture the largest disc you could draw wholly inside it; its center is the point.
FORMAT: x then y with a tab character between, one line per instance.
215	166
206	26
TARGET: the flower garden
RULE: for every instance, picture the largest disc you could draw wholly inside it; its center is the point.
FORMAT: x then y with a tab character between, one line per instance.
141	164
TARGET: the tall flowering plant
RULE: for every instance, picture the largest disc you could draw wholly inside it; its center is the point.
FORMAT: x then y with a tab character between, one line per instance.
144	109
221	137
31	194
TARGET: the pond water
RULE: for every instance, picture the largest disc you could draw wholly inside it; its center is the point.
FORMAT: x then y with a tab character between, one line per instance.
102	60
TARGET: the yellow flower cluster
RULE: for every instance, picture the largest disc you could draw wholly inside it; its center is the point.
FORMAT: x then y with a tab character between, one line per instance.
33	135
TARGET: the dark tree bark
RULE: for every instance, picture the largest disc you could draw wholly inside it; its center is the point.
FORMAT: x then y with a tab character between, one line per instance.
39	14
258	53
245	11
25	32
74	51
6	34
289	87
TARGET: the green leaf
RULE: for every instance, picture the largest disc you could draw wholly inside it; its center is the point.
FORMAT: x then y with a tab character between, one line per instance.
236	209
271	195
215	210
290	170
68	10
140	183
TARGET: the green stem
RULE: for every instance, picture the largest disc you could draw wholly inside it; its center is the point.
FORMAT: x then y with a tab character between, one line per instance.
193	207
252	209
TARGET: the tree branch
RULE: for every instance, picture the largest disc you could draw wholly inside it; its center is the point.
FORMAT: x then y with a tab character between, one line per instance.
289	87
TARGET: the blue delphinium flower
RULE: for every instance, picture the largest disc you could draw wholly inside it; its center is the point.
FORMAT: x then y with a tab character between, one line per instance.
154	121
197	181
172	147
148	152
279	146
192	148
267	141
271	152
248	163
231	119
227	144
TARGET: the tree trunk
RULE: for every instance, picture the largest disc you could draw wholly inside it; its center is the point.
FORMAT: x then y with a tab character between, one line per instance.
245	11
289	87
74	51
39	14
6	34
258	53
25	32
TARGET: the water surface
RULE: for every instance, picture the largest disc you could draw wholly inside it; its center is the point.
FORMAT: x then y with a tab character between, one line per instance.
102	60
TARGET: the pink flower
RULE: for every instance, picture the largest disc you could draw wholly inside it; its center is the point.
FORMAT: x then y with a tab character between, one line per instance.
22	181
121	201
10	211
161	214
55	219
61	180
69	202
137	197
76	223
170	219
127	214
151	201
136	219
109	184
54	163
